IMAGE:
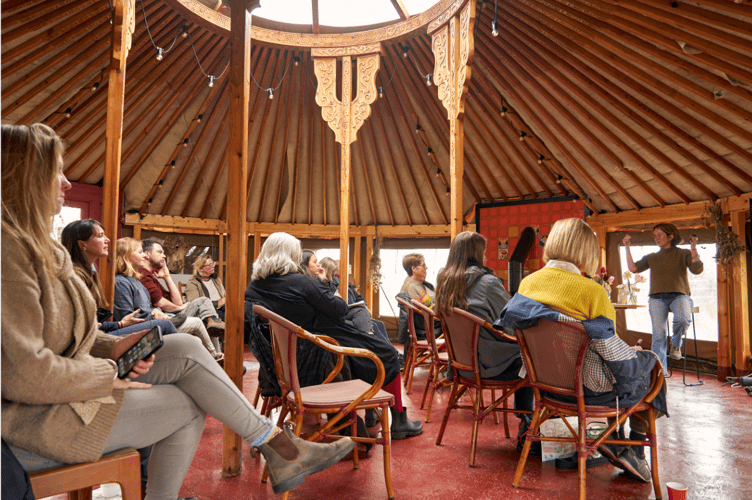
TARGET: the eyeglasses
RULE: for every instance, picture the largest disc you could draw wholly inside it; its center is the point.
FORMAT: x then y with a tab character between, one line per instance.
209	265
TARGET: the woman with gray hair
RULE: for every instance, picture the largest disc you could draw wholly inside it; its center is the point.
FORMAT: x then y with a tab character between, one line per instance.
278	284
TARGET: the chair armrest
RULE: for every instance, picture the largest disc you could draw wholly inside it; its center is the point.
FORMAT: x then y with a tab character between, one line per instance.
499	333
340	359
350	351
656	382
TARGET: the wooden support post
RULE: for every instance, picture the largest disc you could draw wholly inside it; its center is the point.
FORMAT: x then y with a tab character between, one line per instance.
345	118
740	287
453	47
357	260
123	25
237	237
370	292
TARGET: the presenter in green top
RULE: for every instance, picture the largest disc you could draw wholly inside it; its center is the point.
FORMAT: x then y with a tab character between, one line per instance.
669	286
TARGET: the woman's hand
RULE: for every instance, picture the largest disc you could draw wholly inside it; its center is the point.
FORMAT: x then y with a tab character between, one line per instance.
693	243
131	319
627	240
141	367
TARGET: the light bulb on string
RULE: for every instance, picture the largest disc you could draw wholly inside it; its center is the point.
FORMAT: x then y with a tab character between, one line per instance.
211	80
429	77
184	34
160	50
271	93
381	92
494	30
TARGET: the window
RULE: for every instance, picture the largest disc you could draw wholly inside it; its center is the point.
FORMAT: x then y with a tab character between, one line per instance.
65	217
704	288
393	275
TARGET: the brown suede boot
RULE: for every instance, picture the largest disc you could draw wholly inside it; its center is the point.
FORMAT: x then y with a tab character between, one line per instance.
215	327
289	458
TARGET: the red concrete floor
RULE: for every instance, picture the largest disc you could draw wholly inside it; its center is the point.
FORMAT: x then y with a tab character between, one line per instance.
704	444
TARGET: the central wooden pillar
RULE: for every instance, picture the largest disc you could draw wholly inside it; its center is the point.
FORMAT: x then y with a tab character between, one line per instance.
453	47
345	118
237	233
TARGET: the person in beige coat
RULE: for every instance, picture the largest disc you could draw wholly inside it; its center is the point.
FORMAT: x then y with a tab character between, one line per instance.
61	400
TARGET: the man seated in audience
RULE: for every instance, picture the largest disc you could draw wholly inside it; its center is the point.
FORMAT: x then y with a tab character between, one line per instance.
169	299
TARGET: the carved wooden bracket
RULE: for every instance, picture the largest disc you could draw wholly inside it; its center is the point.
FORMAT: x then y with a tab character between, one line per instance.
345	117
453	47
123	26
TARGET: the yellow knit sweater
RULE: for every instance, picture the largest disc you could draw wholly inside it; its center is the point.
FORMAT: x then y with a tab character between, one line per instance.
569	293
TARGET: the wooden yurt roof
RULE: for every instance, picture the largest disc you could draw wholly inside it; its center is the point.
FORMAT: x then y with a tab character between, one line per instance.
628	104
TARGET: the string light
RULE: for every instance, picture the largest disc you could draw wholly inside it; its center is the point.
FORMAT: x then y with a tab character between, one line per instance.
95	87
504	111
271	92
199	117
67	112
211	80
185	143
438	171
558	179
540	159
381	92
184	31
417	128
172	164
296	60
429	77
522	135
494	31
160	50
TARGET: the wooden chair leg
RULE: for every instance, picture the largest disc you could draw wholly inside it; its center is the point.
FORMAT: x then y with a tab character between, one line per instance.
451	405
535	424
83	494
257	396
429	380
387	451
477	407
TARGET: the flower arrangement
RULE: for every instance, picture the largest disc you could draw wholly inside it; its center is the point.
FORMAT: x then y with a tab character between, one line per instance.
604	279
627	292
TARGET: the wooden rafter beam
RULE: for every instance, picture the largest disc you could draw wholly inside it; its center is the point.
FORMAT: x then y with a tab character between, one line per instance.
401	10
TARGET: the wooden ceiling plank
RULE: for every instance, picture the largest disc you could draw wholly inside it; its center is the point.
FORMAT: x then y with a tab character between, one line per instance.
209	157
315	17
312	121
625	33
186	167
302	93
195	81
732	8
399	106
54	38
93	39
645	79
545	50
132	104
288	103
13	6
261	52
139	65
400	8
699	35
69	82
217	175
541	120
489	115
194	90
493	111
562	102
368	135
369	189
49	18
435	112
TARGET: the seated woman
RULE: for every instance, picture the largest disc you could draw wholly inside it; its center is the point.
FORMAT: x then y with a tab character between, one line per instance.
132	295
206	283
86	243
277	285
465	283
614	373
62	402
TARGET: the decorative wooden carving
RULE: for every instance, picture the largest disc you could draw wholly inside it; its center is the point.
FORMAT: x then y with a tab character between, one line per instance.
217	22
345	118
452	46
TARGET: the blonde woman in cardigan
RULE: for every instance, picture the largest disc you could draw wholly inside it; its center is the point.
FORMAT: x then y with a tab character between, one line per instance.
61	400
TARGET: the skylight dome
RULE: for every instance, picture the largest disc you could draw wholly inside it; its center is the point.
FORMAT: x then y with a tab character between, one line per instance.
339	13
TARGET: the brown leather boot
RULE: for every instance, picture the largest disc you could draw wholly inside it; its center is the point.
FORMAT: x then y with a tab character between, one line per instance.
289	458
215	327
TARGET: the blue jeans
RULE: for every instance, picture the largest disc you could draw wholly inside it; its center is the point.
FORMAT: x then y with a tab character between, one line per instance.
659	305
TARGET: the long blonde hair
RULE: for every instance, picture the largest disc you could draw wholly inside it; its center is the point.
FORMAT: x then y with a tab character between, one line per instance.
572	240
124	248
466	249
29	187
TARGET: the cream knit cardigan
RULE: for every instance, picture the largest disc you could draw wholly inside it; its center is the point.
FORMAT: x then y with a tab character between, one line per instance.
57	396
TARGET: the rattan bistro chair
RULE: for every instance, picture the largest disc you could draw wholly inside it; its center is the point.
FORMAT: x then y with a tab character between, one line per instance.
439	359
461	332
338	400
419	351
554	353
